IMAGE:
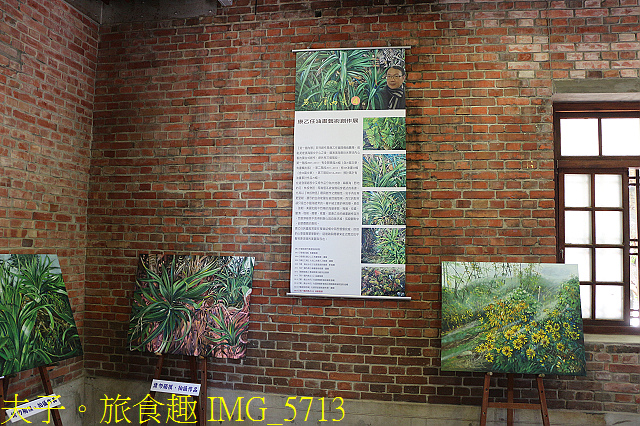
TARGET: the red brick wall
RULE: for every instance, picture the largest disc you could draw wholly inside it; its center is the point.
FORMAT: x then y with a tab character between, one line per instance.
193	153
47	77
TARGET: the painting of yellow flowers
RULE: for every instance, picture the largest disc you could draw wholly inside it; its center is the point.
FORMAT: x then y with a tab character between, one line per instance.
512	318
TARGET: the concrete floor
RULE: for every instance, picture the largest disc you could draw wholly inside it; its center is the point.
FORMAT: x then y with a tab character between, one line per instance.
95	401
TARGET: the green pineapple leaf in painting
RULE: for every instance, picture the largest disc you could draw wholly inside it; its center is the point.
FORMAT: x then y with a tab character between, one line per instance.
337	80
235	281
384	133
388	170
165	303
36	321
384	207
176	298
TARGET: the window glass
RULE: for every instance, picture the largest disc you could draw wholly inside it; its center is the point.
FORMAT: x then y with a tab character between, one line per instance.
577	190
621	136
609	227
609	265
577	227
608	190
609	302
582	257
585	300
579	136
635	300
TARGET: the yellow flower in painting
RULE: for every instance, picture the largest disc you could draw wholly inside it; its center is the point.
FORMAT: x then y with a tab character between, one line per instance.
509	334
531	354
507	351
520	341
489	356
561	347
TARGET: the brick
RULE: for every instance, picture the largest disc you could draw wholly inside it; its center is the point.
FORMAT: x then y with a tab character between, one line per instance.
189	147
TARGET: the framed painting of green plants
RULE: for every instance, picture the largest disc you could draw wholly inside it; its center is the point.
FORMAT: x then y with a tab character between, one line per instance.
512	318
192	305
36	320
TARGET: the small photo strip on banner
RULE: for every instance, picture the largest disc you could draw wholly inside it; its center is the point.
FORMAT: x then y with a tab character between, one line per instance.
178	388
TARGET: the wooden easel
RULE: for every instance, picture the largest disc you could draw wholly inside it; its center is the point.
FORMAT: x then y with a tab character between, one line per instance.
510	405
201	400
4	386
46	383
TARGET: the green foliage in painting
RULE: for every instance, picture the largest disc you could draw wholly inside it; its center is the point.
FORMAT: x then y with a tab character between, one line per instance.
383	281
385	133
388	170
383	245
36	322
192	305
384	207
516	318
338	80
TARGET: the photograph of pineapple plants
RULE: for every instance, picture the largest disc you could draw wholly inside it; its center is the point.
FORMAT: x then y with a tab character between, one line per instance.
329	80
512	318
36	321
192	305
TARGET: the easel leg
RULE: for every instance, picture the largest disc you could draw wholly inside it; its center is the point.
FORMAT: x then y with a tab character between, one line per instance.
4	387
44	375
193	367
543	402
203	392
510	399
156	376
485	399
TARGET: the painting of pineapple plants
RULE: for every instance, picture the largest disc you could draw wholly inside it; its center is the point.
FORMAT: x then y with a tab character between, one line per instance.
384	133
384	207
511	318
383	245
36	320
384	170
192	305
343	79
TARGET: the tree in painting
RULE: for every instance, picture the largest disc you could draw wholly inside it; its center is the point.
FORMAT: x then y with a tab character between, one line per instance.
36	322
511	318
192	305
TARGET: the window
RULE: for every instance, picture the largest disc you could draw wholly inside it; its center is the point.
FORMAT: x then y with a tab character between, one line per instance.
597	151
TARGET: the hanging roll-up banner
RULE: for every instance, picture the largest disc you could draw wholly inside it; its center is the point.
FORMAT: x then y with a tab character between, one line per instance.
349	178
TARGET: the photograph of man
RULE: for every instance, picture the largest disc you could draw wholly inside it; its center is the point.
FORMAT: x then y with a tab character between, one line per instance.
392	93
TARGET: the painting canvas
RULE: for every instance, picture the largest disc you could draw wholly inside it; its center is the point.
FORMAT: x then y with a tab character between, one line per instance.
192	305
36	321
512	318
